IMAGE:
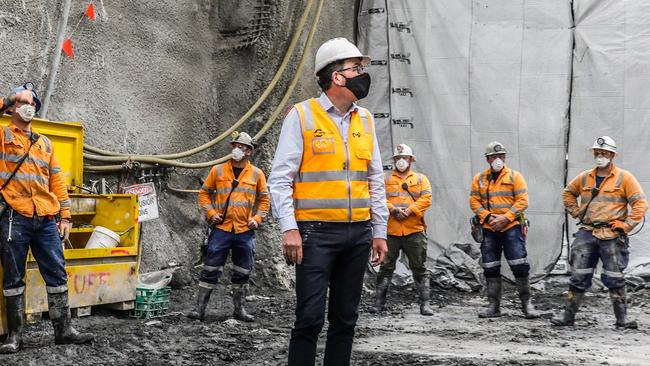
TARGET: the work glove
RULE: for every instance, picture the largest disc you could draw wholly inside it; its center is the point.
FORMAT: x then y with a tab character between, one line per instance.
620	225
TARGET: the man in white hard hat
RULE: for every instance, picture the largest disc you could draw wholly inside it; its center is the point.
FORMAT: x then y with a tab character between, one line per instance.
605	193
235	201
498	198
327	191
408	196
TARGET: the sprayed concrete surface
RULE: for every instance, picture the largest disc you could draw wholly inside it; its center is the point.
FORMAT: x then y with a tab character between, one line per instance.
453	336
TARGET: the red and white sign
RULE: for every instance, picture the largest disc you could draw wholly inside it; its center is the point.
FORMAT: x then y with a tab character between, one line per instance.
147	200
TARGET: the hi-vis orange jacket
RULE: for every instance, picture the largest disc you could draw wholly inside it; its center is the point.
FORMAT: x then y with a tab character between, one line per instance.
39	187
420	188
617	190
332	181
249	194
508	196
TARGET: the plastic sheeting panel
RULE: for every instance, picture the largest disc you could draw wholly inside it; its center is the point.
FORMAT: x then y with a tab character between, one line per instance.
466	73
611	85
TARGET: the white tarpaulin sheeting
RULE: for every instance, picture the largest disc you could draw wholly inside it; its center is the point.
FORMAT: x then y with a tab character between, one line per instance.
452	75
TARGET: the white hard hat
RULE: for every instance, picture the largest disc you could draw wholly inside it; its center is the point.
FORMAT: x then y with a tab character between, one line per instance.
403	150
337	49
243	138
494	148
605	143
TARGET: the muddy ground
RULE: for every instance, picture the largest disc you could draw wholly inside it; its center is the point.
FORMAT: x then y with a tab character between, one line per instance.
453	336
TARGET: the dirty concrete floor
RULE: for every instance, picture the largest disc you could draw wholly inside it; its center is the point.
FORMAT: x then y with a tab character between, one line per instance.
453	336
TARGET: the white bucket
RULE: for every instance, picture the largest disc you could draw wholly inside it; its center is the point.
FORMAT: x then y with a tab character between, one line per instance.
103	238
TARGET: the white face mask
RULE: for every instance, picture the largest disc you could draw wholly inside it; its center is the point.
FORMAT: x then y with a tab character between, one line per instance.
497	164
26	112
401	165
601	161
237	154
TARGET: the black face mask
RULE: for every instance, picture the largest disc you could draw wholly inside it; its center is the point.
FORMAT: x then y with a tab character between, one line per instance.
359	85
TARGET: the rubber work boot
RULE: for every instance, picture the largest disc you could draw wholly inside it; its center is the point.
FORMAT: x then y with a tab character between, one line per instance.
238	299
523	286
423	291
15	306
620	309
202	299
59	311
380	296
568	317
494	298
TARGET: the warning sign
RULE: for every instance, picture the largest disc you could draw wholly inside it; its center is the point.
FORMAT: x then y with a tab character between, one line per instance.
147	200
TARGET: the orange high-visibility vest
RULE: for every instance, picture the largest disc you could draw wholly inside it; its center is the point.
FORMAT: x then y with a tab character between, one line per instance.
417	198
39	187
508	196
616	191
250	199
332	181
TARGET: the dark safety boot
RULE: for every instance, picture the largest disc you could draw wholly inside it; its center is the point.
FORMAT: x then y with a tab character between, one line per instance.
59	311
15	306
523	287
423	291
238	300
620	309
494	298
202	299
380	295
568	317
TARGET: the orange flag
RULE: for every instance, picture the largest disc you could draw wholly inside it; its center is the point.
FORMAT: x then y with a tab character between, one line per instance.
90	11
67	48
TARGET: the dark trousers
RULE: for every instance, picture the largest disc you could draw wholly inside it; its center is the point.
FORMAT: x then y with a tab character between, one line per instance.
586	250
42	235
512	244
220	243
334	255
414	246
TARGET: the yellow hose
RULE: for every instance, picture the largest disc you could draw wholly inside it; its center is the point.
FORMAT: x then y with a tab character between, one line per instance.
263	130
244	118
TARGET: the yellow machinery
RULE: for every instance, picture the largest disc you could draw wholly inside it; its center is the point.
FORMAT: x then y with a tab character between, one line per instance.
95	276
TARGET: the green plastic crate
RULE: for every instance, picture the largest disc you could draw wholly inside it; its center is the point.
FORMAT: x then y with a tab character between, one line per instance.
151	303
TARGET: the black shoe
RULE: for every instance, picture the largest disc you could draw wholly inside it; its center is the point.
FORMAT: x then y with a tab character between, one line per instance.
494	298
202	299
423	292
239	299
523	287
59	311
15	306
380	296
568	316
619	297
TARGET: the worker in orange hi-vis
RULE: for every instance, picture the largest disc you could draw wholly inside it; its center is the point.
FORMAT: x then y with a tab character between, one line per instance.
34	198
498	198
408	196
235	201
605	193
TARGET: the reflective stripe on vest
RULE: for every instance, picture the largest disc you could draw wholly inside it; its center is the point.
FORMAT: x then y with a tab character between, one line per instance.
332	181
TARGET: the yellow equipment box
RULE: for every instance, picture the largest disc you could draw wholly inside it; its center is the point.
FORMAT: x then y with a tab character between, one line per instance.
98	275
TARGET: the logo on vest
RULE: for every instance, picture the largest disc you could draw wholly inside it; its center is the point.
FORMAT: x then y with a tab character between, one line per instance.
318	132
356	134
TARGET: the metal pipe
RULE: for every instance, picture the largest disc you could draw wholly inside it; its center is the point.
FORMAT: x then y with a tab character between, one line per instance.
54	68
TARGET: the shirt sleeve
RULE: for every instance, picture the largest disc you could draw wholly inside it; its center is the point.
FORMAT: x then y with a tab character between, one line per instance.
377	188
288	157
423	202
59	187
636	199
475	203
570	194
262	199
521	197
206	192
